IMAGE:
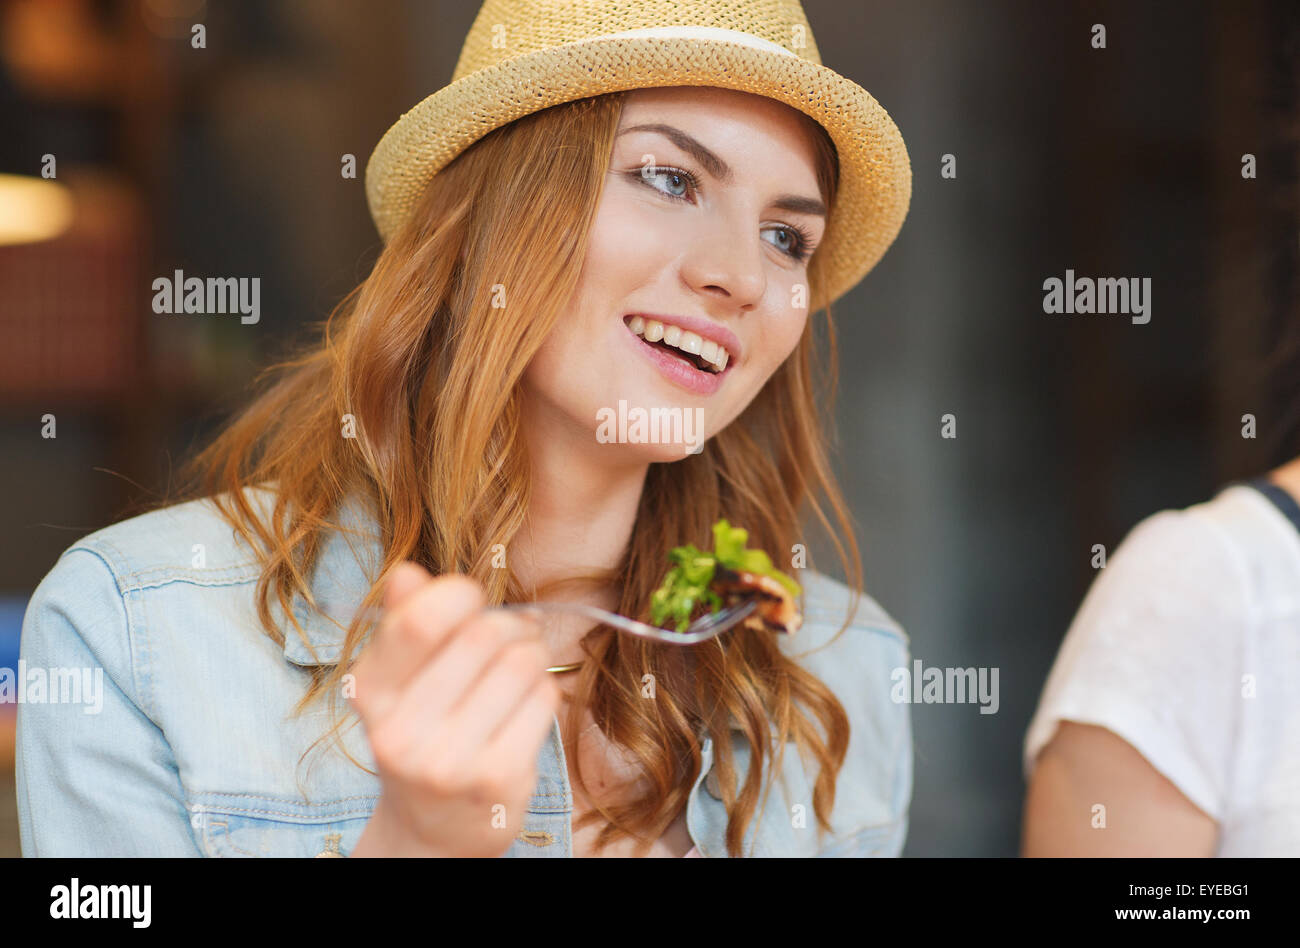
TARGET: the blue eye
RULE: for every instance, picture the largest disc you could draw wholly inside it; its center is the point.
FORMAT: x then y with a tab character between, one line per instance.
679	178
799	241
800	244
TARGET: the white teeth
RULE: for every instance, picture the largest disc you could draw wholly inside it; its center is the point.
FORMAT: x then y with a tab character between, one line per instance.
654	331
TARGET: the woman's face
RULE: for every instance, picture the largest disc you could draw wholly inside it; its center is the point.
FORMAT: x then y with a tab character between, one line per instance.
693	289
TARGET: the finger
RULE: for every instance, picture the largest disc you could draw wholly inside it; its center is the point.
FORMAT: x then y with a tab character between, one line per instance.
409	636
426	702
508	690
503	687
404	579
522	734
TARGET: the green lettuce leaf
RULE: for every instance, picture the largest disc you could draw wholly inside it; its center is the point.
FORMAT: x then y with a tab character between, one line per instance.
687	582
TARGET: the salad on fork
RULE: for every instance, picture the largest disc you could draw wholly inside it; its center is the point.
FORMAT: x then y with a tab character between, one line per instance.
700	582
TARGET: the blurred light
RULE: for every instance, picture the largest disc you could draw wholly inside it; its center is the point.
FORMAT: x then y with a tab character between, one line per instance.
32	209
175	8
172	18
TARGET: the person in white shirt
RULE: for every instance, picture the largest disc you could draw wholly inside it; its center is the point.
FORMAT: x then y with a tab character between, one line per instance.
1170	722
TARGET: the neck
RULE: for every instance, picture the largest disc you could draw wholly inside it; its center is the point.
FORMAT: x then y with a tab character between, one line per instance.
581	513
580	517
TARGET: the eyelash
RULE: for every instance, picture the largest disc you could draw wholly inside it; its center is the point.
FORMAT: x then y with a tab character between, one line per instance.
801	253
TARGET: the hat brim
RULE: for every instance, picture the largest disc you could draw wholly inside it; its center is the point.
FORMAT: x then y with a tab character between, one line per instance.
875	185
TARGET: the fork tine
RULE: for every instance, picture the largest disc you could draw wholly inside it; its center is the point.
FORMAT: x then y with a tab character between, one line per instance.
712	625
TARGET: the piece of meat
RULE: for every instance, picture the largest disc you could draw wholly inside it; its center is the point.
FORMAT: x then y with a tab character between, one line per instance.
777	610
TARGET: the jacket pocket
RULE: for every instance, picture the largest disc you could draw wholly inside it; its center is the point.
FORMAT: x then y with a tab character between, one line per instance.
245	825
882	840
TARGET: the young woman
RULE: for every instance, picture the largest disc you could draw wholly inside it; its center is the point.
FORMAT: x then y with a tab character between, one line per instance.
1169	723
573	235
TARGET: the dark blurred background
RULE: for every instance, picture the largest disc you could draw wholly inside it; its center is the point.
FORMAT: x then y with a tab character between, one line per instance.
1121	162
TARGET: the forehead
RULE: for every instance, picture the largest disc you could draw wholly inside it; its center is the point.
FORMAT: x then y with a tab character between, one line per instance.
740	126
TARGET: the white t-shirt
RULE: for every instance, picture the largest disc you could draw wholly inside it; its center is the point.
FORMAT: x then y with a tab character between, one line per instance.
1188	647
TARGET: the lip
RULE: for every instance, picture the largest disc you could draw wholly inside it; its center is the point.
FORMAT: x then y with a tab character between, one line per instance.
704	328
677	371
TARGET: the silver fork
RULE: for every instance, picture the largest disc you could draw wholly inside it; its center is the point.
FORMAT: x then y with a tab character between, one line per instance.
701	630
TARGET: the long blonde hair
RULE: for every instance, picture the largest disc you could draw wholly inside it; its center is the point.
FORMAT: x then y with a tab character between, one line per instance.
439	457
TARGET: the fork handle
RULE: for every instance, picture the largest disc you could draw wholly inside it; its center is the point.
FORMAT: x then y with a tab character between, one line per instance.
569	608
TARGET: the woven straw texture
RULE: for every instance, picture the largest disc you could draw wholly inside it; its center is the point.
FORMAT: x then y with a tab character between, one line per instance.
525	55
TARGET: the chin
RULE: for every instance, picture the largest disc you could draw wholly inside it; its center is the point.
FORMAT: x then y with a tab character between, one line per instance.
637	454
651	430
663	453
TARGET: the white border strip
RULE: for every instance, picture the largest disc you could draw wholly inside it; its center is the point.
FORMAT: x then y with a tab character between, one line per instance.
701	32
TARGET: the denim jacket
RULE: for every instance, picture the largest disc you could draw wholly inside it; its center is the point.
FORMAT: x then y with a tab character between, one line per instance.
182	741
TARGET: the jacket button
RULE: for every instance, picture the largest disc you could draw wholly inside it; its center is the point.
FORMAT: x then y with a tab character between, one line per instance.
331	846
536	837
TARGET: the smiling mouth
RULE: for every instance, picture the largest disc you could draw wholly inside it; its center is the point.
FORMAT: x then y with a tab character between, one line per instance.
701	354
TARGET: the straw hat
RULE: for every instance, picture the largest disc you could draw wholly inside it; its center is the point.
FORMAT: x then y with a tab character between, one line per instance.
522	56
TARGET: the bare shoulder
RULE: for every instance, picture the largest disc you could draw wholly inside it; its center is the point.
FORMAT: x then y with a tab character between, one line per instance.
1093	794
1288	478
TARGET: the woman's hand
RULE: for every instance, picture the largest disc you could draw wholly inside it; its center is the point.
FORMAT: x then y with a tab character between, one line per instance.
456	703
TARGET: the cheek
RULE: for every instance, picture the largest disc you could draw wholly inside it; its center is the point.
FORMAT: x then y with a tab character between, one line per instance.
624	253
577	362
770	348
627	245
789	330
779	338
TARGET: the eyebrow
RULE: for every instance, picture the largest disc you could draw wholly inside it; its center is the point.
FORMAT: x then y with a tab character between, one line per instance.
720	169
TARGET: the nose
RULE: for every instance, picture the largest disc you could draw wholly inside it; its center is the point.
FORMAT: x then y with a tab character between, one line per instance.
727	262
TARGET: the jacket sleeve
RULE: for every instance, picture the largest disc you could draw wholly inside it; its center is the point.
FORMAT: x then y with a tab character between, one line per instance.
95	775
